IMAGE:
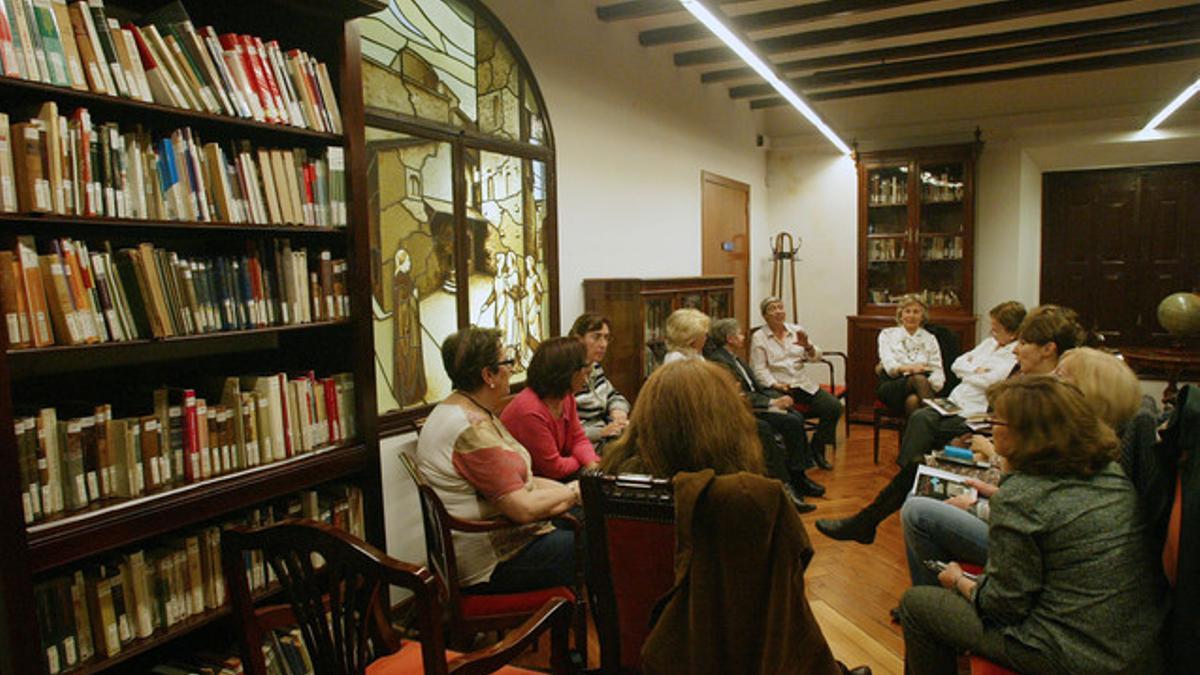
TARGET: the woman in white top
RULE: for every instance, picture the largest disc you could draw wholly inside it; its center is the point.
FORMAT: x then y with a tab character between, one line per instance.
909	358
687	331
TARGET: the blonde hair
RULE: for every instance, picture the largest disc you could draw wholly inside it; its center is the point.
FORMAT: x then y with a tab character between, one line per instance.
1055	432
689	416
683	327
912	299
1107	383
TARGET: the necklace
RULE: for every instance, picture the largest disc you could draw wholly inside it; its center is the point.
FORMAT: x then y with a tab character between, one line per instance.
474	400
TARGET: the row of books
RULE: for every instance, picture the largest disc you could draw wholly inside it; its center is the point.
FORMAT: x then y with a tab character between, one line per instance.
86	457
283	652
74	294
164	59
99	609
70	165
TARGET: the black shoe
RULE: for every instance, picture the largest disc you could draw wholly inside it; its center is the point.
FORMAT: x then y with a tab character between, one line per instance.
857	528
821	462
807	486
894	613
861	670
797	500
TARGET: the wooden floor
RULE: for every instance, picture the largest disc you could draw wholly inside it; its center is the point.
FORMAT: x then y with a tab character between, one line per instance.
851	587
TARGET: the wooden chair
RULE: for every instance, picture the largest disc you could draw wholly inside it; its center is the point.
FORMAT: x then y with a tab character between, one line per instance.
472	613
884	418
839	391
631	543
341	607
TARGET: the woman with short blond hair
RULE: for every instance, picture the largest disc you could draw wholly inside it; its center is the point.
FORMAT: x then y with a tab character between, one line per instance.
687	331
910	360
1070	584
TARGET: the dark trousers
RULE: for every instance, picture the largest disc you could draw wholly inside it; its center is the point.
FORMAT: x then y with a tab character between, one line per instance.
774	453
927	430
828	410
545	562
790	425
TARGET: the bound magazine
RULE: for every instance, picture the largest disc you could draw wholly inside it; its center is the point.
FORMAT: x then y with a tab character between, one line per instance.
944	406
940	484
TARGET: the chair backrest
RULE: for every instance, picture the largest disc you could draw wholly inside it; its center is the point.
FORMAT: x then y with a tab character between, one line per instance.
630	524
340	605
439	541
950	347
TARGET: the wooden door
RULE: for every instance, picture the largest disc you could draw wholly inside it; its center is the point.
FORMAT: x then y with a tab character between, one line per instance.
725	237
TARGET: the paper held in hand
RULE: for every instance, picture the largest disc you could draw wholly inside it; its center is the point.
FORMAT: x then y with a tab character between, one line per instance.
944	406
941	484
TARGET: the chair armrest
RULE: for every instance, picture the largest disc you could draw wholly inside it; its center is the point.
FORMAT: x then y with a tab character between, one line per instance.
555	615
469	525
274	617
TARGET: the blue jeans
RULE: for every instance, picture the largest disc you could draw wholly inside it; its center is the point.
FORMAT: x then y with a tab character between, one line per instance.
935	530
545	562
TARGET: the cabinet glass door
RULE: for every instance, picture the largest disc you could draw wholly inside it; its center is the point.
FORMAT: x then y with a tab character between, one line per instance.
887	233
940	234
720	305
654	330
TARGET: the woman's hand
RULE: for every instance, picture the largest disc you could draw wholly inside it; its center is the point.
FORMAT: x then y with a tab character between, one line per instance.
784	402
985	489
964	501
948	576
981	445
573	486
613	428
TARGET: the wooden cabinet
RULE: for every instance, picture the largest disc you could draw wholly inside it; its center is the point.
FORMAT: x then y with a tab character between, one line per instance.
916	222
76	377
638	309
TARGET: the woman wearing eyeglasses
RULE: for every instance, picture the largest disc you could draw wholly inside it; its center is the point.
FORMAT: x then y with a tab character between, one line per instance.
1070	584
602	410
542	417
480	472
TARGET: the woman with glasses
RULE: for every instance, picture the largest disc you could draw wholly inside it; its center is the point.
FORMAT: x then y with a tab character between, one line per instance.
602	410
480	472
542	417
1070	584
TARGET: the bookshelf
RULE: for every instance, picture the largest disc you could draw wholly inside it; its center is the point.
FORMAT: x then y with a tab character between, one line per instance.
123	373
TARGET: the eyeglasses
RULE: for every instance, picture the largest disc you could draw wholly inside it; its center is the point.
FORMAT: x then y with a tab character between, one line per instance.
601	337
995	421
506	362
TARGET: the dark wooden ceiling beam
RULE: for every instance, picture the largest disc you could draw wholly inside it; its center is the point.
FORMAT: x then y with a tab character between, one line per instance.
873	56
636	9
775	18
1154	36
1003	10
1105	62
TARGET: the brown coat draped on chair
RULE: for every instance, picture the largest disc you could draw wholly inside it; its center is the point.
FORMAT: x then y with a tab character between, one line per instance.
738	603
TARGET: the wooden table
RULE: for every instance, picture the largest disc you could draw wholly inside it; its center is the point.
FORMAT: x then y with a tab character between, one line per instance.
1173	362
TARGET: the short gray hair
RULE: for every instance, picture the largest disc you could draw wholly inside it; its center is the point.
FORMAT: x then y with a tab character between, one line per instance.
722	330
767	301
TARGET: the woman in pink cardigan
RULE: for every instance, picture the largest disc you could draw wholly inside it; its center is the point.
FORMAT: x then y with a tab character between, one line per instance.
543	418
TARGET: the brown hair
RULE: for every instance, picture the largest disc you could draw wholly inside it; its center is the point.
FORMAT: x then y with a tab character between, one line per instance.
466	353
912	299
553	366
1052	323
689	416
1055	431
588	322
1108	384
1009	315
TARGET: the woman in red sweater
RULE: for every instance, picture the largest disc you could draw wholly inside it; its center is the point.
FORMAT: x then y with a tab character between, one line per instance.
543	418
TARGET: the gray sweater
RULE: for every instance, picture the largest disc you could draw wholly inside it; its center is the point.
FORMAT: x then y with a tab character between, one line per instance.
1070	572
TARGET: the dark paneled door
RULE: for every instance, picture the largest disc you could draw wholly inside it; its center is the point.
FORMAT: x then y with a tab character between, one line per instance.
1117	241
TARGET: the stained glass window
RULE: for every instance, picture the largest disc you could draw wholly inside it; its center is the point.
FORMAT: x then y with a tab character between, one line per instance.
427	65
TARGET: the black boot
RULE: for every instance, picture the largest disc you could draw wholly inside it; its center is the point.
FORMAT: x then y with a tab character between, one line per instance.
798	500
820	460
861	526
806	486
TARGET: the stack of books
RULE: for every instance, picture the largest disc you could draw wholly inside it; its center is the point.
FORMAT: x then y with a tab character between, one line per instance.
76	294
164	59
71	461
99	609
72	165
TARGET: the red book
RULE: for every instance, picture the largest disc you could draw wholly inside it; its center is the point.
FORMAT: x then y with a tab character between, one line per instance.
256	289
254	67
8	55
273	86
191	437
333	415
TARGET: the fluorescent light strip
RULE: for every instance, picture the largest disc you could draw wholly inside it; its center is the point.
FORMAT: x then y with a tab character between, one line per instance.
1172	106
764	70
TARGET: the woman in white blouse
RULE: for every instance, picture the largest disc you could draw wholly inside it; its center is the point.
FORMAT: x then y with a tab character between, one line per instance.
909	359
687	331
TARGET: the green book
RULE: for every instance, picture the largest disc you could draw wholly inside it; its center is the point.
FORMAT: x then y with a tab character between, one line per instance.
56	57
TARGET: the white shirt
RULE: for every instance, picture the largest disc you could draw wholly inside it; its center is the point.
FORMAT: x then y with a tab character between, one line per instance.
673	356
980	368
779	363
898	348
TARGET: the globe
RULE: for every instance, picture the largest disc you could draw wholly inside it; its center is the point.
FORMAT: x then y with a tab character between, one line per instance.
1179	313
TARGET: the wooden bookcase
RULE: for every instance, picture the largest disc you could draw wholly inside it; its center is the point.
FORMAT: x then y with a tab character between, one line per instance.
638	309
916	224
123	372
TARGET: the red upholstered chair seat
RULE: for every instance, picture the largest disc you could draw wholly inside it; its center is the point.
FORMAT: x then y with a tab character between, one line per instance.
981	666
642	559
838	391
480	605
407	661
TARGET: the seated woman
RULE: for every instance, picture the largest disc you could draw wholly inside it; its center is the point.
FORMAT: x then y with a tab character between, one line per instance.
542	417
778	353
689	424
602	410
480	472
687	331
769	405
910	360
1070	585
956	529
1045	333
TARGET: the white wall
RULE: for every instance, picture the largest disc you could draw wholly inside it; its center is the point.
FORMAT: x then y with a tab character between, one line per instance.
632	133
